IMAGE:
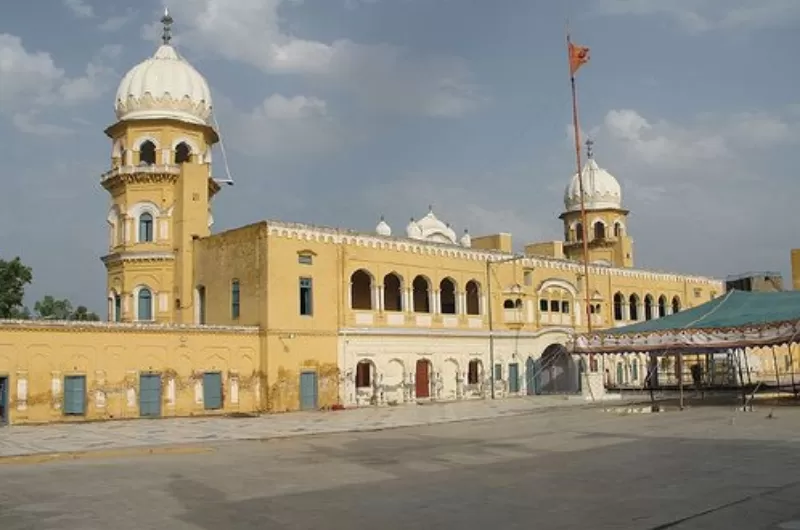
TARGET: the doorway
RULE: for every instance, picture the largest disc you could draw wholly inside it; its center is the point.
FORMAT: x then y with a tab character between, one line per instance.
513	378
308	391
4	400
423	386
150	395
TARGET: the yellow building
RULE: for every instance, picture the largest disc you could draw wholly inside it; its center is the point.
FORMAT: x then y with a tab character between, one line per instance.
280	316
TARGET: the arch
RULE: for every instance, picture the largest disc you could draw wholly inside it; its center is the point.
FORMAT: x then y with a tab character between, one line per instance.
422	386
145	302
557	371
183	153
676	304
633	306
114	306
144	231
200	304
557	282
392	292
361	290
662	306
578	232
619	229
473	295
421	288
508	303
190	143
447	296
648	307
619	306
365	374
599	229
117	148
114	226
147	153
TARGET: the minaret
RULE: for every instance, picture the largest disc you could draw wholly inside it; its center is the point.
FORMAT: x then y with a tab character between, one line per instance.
160	185
608	239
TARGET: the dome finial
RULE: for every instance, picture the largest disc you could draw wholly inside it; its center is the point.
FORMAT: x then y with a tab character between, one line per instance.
167	21
589	145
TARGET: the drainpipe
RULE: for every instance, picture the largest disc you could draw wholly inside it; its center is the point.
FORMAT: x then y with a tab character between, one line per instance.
491	326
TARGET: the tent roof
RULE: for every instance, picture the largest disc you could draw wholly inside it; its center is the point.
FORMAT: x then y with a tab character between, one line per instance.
737	319
733	310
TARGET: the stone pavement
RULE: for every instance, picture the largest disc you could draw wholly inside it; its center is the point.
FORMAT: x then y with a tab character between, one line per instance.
98	436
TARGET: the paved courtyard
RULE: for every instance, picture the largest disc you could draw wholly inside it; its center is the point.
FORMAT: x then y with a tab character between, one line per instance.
553	468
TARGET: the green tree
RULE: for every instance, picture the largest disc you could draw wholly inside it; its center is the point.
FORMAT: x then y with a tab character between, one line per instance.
50	308
14	276
83	313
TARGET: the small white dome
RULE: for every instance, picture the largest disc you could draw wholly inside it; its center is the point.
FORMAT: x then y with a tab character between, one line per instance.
383	228
466	240
600	189
164	86
413	230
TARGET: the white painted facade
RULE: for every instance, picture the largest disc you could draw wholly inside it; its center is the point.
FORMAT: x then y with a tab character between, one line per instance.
392	356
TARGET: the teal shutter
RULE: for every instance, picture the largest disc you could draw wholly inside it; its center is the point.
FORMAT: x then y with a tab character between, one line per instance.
75	395
212	390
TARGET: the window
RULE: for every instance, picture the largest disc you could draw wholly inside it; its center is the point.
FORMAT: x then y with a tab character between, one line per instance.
201	304
183	153
146	227
565	307
306	298
543	305
527	278
555	306
473	298
117	308
144	303
305	259
235	299
599	230
498	372
147	153
363	372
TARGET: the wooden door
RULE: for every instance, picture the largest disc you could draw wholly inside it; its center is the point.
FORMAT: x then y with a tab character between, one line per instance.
423	379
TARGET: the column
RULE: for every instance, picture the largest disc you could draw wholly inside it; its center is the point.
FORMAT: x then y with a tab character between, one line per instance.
374	294
381	298
626	313
165	156
436	299
482	303
349	295
22	390
408	300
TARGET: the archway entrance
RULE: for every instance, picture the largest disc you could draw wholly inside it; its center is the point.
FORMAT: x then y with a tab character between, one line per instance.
530	376
423	379
557	372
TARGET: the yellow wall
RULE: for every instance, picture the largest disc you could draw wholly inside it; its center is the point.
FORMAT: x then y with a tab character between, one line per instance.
112	356
796	269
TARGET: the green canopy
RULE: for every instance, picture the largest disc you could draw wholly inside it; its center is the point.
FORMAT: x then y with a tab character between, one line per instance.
737	319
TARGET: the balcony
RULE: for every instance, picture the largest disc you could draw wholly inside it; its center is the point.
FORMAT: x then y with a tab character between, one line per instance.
155	169
514	316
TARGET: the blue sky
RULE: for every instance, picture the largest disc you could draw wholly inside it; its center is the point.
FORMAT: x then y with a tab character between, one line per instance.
338	111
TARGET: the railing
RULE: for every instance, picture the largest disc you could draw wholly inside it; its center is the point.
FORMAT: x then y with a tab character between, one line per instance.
170	169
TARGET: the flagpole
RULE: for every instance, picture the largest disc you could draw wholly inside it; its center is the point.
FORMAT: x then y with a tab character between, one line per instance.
584	226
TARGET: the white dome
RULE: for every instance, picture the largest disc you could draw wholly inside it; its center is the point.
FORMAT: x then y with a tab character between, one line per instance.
383	228
600	190
413	230
164	86
432	229
466	240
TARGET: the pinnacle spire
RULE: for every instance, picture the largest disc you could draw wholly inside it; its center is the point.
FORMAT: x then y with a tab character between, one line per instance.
167	21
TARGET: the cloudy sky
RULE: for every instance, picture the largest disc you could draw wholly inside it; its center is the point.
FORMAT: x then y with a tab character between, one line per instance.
337	111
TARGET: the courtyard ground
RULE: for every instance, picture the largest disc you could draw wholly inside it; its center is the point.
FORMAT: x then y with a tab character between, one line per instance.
552	467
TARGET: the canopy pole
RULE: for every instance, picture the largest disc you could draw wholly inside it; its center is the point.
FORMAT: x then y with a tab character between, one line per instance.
680	378
775	364
741	379
791	368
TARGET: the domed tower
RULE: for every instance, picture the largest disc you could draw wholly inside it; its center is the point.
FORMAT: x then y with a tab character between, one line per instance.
607	231
160	185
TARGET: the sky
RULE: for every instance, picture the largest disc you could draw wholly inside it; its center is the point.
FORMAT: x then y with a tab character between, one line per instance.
336	112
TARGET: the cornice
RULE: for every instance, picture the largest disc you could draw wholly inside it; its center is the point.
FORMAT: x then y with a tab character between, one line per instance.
70	326
126	256
454	333
338	236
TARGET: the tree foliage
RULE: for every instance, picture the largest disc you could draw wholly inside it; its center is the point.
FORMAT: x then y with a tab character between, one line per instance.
14	276
51	308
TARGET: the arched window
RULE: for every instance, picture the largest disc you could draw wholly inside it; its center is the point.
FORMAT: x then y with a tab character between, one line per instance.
648	307
662	306
201	304
633	307
361	290
508	304
599	230
147	153
473	298
144	304
473	372
676	304
183	153
619	307
392	292
617	229
363	374
579	232
635	370
421	291
146	227
447	296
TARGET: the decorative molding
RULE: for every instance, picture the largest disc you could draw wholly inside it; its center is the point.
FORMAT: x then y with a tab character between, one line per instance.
70	326
127	256
426	332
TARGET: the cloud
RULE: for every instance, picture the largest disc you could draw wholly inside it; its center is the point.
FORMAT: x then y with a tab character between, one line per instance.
116	22
708	15
79	8
283	126
381	76
32	80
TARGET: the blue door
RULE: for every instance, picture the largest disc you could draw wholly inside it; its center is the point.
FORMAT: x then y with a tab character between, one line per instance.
308	391
75	395
3	400
530	376
212	390
150	395
513	378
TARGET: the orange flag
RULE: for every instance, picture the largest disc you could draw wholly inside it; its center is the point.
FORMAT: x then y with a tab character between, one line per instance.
578	56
